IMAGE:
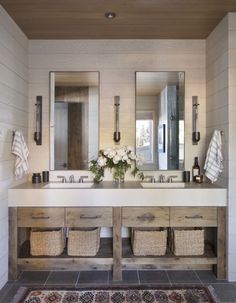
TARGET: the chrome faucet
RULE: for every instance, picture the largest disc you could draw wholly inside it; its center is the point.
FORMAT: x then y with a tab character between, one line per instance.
81	179
170	178
151	178
71	179
162	178
63	179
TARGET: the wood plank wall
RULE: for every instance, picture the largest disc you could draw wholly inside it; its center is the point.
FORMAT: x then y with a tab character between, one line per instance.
117	61
13	115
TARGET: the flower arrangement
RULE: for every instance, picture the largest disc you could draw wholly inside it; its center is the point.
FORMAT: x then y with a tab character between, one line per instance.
118	160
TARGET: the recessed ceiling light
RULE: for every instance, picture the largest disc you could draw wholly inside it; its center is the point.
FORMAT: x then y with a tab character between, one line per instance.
110	15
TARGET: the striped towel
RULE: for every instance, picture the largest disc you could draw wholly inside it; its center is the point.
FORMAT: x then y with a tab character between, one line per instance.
214	159
20	150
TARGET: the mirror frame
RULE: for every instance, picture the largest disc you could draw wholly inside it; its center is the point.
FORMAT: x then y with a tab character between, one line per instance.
52	111
184	94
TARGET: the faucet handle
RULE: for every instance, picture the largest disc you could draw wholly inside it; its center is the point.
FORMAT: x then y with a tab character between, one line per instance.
71	179
63	178
81	179
162	178
152	178
170	178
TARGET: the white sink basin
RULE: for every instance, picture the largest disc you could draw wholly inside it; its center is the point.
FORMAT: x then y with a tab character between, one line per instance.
68	185
163	185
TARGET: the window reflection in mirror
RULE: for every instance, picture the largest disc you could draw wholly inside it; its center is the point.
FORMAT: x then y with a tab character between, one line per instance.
160	120
74	119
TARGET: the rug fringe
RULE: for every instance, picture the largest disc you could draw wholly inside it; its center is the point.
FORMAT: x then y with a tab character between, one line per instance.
213	293
21	292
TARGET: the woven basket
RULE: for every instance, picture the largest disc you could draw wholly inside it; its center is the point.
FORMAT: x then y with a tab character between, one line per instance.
149	241
47	242
83	242
187	242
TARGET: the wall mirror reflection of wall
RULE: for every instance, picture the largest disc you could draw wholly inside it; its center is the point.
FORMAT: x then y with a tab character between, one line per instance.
74	119
160	120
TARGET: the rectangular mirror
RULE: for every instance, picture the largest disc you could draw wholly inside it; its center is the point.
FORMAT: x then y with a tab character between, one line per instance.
160	120
74	119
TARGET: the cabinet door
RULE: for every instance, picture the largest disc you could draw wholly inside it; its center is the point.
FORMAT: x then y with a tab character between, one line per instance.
193	216
88	216
41	217
145	216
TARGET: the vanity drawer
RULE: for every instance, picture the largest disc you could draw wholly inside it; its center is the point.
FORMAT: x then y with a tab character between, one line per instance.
193	216
89	217
145	216
41	217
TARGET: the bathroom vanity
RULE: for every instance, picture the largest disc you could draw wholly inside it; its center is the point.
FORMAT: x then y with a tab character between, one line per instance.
108	205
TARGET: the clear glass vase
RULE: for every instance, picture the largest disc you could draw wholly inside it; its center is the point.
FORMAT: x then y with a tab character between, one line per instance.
118	175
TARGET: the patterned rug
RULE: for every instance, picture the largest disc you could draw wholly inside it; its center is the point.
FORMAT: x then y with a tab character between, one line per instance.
118	295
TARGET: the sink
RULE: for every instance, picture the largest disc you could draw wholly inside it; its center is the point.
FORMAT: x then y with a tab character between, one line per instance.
68	185
163	185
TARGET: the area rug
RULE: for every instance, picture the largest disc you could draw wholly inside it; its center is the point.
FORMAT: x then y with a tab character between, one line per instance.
172	294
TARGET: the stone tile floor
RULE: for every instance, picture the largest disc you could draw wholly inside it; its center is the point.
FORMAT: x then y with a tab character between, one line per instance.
225	291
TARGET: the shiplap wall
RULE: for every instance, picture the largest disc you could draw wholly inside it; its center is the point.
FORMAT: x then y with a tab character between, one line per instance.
117	61
13	115
232	147
221	114
217	89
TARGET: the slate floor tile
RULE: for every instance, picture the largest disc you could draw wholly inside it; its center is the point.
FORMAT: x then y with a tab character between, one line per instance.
93	277
226	292
33	277
183	276
207	276
153	276
62	278
128	277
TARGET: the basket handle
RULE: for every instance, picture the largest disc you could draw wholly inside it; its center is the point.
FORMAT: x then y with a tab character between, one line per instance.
194	217
40	218
89	217
147	217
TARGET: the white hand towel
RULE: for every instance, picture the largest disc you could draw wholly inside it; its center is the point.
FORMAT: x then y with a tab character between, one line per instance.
214	159
20	150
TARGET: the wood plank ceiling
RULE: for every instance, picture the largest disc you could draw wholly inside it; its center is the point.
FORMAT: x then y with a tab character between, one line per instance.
135	19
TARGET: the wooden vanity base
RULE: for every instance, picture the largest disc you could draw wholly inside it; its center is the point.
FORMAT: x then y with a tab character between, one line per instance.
116	253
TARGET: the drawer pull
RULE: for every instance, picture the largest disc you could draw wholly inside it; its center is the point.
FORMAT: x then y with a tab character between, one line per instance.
146	217
194	217
40	218
90	217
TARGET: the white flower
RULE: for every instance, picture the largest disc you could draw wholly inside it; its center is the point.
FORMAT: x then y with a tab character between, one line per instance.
124	158
121	152
111	154
116	159
102	161
107	151
128	161
132	156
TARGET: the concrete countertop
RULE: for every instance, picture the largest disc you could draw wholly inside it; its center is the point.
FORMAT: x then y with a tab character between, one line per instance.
125	185
129	193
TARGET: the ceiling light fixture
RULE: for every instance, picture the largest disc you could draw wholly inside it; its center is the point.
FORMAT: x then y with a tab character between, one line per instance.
110	15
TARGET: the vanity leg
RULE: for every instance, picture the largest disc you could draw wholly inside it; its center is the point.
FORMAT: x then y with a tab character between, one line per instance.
13	244
117	244
220	268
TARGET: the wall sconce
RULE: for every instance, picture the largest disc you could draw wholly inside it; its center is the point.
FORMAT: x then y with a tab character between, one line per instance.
116	136
38	123
196	133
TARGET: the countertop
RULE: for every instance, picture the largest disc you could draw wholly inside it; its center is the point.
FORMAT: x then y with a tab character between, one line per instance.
129	193
125	185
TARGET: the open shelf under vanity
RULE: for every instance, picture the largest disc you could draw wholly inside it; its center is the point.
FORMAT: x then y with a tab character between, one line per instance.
116	253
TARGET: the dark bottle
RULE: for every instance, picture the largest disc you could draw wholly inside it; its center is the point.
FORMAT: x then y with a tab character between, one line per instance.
196	169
